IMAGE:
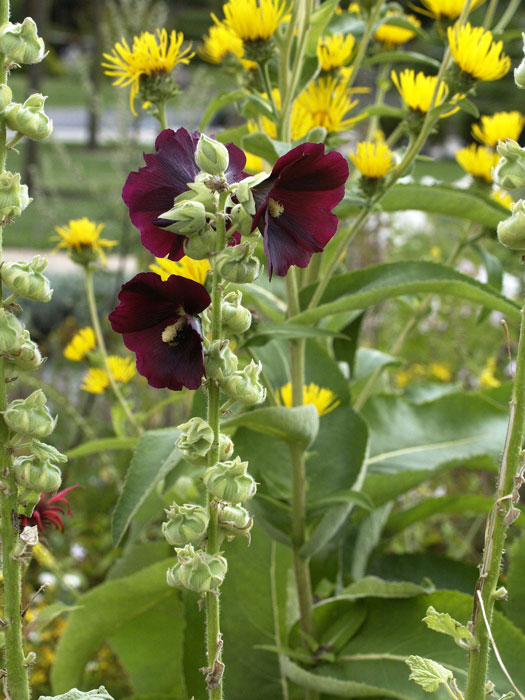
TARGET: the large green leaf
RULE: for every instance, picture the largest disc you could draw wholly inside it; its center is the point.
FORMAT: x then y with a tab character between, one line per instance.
442	571
437	199
222	99
362	288
95	446
299	424
318	23
126	607
515	606
400	56
155	455
410	443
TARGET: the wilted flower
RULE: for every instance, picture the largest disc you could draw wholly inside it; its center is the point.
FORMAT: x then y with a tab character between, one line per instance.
47	512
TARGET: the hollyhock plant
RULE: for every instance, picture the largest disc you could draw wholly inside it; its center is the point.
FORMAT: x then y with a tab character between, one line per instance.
151	191
158	322
47	512
294	205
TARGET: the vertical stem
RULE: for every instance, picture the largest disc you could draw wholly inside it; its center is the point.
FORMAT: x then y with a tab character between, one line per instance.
496	531
161	115
365	40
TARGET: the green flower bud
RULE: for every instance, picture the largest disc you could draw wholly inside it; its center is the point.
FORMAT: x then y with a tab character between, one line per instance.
184	489
211	155
519	72
20	43
199	192
244	191
47	453
186	524
74	694
195	441
36	475
189	218
14	197
244	385
27	280
235	318
200	246
229	481
240	220
29	118
225	447
510	171
6	97
511	231
238	264
198	571
28	356
11	333
219	360
234	520
30	416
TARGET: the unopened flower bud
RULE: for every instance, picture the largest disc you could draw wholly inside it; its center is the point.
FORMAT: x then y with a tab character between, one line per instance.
238	264
197	570
6	97
36	475
184	489
511	231
235	318
510	171
211	155
244	385
27	280
234	520
199	192
229	481
20	43
11	333
47	453
100	694
219	360
195	441
189	217
14	197
519	72
186	524
27	357
200	246
225	447
30	416
240	220
29	118
244	194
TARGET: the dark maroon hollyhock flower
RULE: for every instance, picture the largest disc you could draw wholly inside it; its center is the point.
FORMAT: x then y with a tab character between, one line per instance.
157	322
294	205
46	511
150	192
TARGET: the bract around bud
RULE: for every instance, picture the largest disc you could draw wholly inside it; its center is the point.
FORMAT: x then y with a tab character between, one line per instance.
27	280
186	524
20	43
244	191
236	318
36	475
509	174
189	217
14	197
47	453
12	333
6	97
519	72
244	385
202	245
27	357
240	220
211	156
238	263
30	416
29	118
225	447
511	231
195	441
197	570
229	481
74	694
234	520
219	360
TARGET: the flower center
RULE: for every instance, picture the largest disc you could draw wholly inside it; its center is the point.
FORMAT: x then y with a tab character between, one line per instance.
275	208
172	333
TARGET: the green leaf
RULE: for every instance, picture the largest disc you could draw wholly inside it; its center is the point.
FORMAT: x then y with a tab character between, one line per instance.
375	587
122	608
297	425
368	361
363	288
318	22
95	446
346	348
45	616
286	331
427	673
262	145
368	536
437	199
401	56
349	496
515	606
336	621
468	107
442	571
154	457
217	102
403	22
445	623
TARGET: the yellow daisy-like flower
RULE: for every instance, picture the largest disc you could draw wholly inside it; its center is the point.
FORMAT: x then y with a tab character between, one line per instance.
122	368
254	20
149	55
392	35
503	198
222	42
476	54
324	400
501	125
95	381
325	102
447	8
440	371
487	379
478	161
299	122
373	159
82	236
254	164
80	344
335	51
185	267
416	90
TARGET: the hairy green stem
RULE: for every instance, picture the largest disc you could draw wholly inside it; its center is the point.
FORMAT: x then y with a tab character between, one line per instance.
365	40
489	14
161	114
92	304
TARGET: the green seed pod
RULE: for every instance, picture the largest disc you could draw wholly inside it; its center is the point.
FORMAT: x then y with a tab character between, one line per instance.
36	475
234	520
6	97
74	694
244	385
14	197
511	231
186	524
30	416
236	318
12	334
211	156
28	357
20	43
509	173
197	570
202	245
27	280
229	481
238	264
29	118
219	360
195	441
189	218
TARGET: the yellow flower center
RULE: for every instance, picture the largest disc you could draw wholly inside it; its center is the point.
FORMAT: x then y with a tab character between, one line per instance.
275	208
